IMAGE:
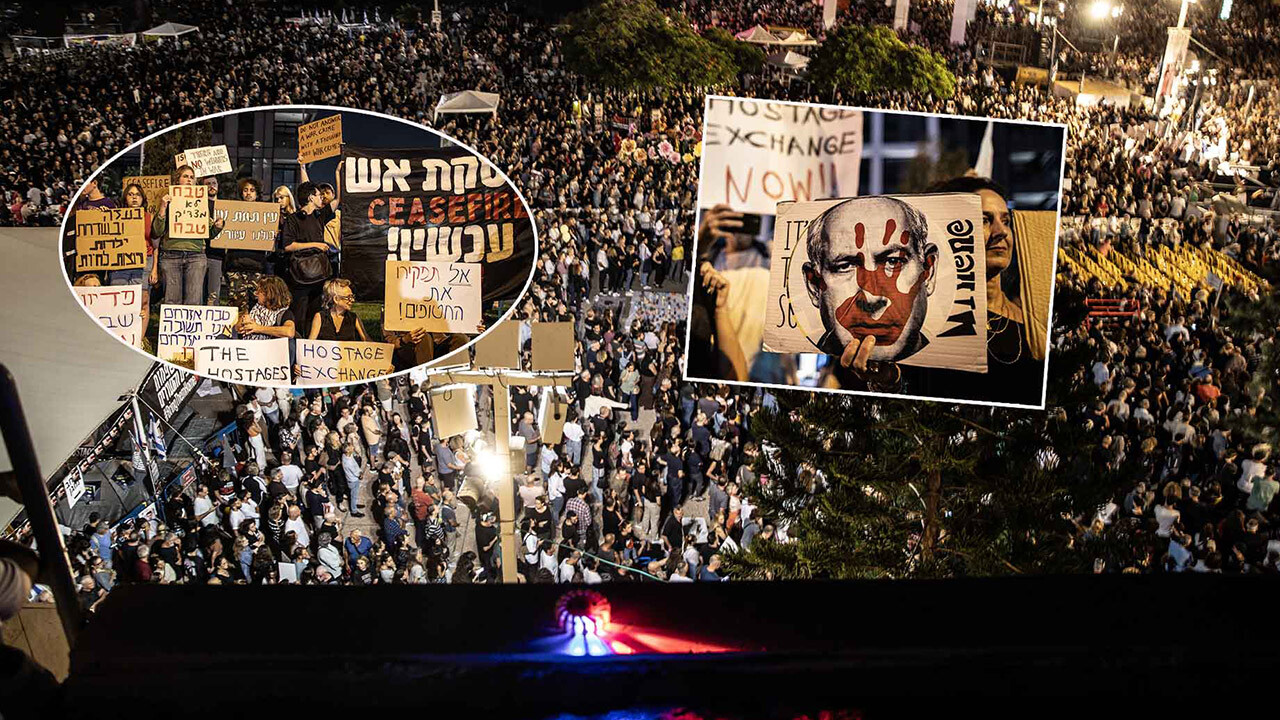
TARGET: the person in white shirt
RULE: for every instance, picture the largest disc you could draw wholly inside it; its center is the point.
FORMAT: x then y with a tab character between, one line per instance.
589	574
296	524
573	441
1253	468
555	491
205	508
1166	514
680	574
568	567
290	474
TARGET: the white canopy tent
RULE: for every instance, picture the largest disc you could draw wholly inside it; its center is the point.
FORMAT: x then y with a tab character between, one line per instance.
788	60
757	35
69	371
796	38
468	101
169	30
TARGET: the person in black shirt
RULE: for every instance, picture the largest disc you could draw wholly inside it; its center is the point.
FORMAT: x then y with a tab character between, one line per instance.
303	237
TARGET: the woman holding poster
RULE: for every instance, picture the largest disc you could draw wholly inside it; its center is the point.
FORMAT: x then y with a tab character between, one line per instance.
136	197
336	321
182	260
270	316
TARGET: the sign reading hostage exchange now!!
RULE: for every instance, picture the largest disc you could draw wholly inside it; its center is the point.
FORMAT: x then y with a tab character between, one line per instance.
110	239
757	154
440	205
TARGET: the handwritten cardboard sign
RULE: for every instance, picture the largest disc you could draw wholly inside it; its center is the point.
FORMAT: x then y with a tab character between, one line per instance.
909	270
182	326
247	225
189	211
434	296
759	153
110	239
154	188
121	309
325	362
244	362
205	161
320	139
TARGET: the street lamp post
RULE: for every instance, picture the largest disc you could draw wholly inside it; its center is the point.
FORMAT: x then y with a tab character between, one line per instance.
501	381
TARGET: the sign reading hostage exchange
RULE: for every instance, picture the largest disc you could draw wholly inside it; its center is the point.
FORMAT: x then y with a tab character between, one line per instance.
439	205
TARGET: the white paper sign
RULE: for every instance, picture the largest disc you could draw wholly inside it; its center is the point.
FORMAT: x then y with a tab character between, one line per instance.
121	309
182	326
206	161
73	485
757	154
434	296
245	362
909	270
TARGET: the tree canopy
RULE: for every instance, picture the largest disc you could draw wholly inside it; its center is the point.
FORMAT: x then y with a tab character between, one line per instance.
631	44
869	59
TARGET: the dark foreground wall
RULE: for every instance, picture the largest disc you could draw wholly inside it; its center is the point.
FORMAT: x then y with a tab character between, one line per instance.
881	647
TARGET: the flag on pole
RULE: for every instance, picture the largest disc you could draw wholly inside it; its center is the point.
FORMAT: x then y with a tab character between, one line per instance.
157	440
986	154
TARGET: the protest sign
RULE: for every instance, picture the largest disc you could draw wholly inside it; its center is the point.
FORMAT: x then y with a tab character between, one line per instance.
189	212
244	362
154	188
442	205
121	309
73	486
182	326
757	154
248	225
324	362
908	270
110	239
320	139
206	161
434	296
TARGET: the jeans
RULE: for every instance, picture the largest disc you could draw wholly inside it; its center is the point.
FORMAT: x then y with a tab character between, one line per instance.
634	400
183	274
573	451
138	276
373	450
213	279
557	507
630	277
644	278
353	490
686	411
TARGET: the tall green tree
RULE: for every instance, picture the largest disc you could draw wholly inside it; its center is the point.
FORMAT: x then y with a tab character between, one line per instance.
861	59
631	44
159	150
746	56
885	488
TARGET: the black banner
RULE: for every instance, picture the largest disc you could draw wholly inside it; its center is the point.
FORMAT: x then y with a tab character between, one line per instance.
437	204
165	390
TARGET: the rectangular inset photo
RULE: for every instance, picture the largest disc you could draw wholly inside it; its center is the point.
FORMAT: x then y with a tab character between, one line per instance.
867	251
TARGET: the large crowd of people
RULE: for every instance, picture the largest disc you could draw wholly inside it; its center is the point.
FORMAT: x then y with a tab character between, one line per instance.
652	478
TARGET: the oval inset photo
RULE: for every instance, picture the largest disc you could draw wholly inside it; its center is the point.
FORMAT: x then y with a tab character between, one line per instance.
298	246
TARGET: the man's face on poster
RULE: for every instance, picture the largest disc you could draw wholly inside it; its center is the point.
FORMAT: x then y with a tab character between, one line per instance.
870	272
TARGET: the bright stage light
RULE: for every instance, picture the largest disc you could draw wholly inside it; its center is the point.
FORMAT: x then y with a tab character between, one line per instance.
1115	11
1100	9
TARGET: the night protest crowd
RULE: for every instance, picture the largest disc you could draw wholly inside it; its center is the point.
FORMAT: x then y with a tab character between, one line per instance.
654	487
